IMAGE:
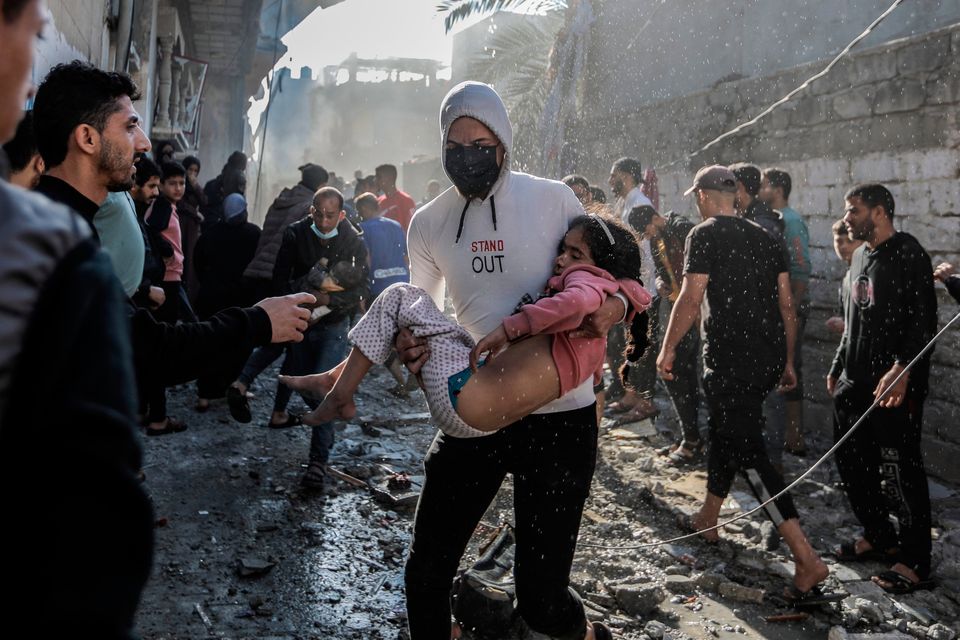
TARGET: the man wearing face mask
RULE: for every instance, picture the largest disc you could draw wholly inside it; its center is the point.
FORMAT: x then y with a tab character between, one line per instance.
324	237
487	243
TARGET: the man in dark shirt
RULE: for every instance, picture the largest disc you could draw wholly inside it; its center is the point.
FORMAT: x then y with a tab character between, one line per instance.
324	238
739	272
890	314
667	236
66	399
750	206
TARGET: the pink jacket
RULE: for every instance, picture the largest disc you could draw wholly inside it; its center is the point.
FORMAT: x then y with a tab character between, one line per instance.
581	290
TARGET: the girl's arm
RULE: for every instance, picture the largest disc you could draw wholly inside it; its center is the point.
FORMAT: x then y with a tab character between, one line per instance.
582	295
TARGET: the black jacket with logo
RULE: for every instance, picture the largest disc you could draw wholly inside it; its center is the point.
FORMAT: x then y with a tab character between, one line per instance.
890	315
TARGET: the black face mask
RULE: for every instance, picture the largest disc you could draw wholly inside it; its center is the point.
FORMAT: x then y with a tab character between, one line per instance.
473	169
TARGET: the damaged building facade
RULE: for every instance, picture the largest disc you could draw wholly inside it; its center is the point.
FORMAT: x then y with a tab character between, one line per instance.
195	62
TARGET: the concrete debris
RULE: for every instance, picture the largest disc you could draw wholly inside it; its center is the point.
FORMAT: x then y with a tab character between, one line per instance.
941	632
252	567
679	584
739	592
656	629
638	599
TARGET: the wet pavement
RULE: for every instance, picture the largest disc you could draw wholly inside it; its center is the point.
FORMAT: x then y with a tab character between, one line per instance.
243	552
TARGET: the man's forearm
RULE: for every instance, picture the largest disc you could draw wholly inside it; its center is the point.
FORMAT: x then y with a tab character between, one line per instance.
685	312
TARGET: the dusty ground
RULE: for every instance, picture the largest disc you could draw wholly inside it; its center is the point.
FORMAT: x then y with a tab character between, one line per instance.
330	565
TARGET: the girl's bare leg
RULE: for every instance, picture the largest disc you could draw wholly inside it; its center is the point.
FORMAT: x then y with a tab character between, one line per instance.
315	385
510	386
338	403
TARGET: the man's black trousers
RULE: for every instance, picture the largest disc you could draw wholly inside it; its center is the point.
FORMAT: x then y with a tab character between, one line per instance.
552	458
881	466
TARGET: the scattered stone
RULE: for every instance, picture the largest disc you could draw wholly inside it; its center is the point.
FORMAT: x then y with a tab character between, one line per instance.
917	630
770	536
869	611
678	584
638	599
656	629
941	632
678	570
252	567
709	580
740	592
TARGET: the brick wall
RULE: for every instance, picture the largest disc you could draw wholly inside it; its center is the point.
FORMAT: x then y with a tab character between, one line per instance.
888	113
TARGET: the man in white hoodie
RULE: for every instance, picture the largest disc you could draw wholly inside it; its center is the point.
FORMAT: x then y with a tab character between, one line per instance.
487	242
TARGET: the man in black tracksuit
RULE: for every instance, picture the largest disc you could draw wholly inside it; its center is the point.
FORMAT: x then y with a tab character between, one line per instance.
890	315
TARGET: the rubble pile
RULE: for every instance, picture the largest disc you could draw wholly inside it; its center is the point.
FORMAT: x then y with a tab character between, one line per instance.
242	551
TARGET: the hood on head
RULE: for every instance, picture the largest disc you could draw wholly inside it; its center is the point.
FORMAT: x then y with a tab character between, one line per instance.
481	102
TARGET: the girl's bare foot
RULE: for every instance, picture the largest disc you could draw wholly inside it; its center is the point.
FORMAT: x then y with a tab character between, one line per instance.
315	386
335	405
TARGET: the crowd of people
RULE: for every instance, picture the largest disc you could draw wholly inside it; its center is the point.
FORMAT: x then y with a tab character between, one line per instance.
123	276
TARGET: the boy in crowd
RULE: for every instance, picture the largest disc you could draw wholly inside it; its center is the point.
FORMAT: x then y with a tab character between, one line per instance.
843	246
162	218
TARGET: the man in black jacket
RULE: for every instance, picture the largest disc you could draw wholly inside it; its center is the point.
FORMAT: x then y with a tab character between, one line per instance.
88	134
324	238
890	316
68	448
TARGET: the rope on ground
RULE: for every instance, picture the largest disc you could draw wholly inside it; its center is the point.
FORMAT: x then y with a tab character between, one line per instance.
806	473
873	25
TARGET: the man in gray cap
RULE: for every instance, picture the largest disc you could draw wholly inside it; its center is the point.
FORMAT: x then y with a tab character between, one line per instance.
741	271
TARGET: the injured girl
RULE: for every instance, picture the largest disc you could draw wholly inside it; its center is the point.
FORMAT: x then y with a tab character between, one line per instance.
533	358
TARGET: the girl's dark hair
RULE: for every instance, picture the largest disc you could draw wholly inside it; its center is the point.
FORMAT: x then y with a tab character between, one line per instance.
621	259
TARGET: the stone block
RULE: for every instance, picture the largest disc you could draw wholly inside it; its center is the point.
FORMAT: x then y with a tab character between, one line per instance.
873	67
940	419
811	110
925	55
945	197
638	599
828	171
874	167
935	233
812	200
741	593
930	164
855	103
940	458
942	87
901	94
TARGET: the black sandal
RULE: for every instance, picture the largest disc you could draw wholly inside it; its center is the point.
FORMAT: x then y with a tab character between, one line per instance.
293	420
901	584
238	405
173	426
685	523
814	597
848	553
677	459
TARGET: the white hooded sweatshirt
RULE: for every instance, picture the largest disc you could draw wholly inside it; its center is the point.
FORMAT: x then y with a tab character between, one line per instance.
509	240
